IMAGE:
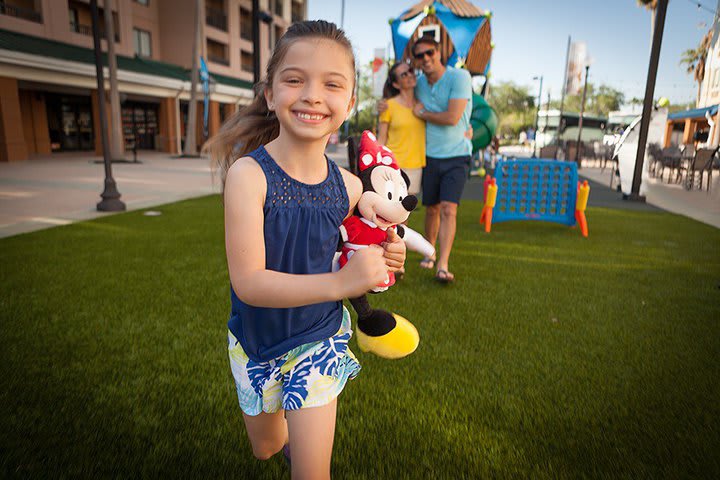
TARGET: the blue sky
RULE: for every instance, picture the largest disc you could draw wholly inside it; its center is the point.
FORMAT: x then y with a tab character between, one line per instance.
531	39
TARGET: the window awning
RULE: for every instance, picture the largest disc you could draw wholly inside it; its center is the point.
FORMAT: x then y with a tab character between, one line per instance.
694	113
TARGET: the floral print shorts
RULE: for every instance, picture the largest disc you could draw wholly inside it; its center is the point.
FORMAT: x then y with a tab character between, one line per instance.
310	375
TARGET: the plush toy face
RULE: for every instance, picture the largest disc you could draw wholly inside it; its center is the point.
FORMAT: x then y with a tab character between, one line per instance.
385	200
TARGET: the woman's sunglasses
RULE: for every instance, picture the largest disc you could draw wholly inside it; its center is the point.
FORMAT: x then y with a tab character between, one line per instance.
420	55
404	74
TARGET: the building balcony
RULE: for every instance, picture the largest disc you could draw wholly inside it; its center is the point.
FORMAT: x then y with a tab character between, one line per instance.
216	18
218	59
20	12
87	30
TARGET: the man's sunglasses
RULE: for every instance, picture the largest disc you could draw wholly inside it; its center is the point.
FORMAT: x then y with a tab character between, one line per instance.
420	55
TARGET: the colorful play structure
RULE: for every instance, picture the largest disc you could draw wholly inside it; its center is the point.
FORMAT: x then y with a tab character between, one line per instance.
463	31
544	190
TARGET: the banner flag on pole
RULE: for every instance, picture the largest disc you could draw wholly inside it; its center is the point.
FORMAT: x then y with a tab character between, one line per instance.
205	79
577	60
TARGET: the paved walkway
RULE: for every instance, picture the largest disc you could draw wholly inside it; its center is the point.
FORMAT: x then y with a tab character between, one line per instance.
65	188
699	205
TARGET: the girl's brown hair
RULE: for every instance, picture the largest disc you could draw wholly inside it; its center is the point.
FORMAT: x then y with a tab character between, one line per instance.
255	124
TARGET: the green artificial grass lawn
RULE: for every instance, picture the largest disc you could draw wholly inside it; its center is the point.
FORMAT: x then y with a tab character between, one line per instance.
552	355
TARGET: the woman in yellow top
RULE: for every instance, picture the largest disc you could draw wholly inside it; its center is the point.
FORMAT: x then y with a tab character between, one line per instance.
399	129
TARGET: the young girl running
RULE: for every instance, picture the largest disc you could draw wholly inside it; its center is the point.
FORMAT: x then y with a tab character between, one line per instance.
284	202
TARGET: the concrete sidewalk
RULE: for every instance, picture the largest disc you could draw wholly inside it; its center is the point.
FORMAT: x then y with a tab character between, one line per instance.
65	188
699	205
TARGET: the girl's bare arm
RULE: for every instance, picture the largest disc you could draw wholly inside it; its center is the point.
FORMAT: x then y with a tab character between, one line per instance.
245	189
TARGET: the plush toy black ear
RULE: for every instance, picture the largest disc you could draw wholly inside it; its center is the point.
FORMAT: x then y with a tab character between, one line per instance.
406	178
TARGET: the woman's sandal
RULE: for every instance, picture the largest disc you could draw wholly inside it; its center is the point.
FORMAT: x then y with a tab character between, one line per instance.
443	276
427	263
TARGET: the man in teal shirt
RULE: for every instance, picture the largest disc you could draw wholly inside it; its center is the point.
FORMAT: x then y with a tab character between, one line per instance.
444	95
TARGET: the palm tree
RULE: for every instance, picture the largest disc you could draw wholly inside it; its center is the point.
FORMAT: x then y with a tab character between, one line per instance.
694	59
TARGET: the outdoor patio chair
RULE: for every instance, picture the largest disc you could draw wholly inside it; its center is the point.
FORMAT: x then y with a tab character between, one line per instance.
655	154
607	154
688	151
702	162
670	158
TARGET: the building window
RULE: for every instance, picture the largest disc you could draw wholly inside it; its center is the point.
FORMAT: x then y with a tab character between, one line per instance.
246	61
215	15
73	19
217	52
245	24
143	2
279	7
27	10
142	42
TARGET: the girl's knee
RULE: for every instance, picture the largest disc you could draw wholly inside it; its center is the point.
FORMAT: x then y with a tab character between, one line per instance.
266	450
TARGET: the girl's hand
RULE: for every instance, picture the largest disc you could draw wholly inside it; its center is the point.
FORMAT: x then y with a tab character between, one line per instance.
394	251
365	269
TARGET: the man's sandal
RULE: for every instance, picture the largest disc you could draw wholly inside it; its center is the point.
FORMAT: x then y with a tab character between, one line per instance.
443	276
427	263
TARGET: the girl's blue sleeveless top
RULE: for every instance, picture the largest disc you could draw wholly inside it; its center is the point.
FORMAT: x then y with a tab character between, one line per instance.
301	236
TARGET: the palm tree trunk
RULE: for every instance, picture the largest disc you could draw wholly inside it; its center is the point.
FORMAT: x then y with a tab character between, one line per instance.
191	127
117	150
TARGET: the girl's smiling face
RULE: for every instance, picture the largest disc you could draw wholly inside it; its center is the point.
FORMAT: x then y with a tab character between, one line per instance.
312	91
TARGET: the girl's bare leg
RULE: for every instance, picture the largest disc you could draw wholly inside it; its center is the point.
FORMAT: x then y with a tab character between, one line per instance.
268	433
311	440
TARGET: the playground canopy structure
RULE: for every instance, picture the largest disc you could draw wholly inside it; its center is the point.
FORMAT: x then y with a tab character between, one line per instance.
461	28
463	32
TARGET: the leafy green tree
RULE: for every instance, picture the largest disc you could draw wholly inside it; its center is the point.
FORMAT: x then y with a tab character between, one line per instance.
514	105
365	116
606	100
600	101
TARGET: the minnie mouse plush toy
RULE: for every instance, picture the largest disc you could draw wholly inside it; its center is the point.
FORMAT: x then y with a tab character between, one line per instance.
383	205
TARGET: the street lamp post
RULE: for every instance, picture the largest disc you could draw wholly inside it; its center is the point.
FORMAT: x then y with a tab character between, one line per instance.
537	113
659	25
580	120
110	196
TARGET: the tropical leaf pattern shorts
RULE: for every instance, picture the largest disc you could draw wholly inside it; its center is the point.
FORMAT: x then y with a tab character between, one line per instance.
310	375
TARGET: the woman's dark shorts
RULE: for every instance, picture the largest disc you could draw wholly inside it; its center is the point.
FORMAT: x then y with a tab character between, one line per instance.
443	179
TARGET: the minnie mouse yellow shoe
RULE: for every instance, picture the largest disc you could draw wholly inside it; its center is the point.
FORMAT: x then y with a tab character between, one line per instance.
387	335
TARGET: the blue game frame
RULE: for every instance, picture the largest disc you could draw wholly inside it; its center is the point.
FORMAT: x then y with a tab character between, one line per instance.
544	190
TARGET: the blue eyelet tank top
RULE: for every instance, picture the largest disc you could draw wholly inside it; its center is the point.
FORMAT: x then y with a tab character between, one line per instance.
301	235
